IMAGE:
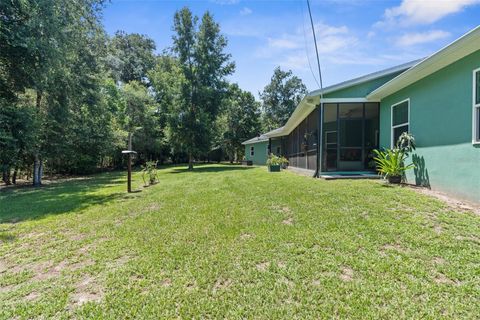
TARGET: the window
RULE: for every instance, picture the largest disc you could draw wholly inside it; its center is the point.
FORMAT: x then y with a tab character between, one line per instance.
400	120
476	106
278	151
252	151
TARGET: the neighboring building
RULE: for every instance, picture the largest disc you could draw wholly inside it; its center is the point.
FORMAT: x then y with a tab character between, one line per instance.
256	149
437	99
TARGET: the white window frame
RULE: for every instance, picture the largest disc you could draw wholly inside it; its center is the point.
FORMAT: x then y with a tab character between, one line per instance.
252	151
392	127
475	109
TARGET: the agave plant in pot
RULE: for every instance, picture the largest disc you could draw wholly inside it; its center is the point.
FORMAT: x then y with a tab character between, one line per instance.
391	162
274	163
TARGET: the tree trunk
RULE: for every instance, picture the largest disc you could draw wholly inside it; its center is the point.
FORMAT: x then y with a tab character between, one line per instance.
37	162
6	175
14	178
37	171
190	161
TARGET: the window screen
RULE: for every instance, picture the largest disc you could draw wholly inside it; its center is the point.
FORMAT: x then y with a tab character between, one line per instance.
477	87
400	113
400	120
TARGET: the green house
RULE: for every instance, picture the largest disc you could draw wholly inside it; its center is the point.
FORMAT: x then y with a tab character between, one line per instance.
437	99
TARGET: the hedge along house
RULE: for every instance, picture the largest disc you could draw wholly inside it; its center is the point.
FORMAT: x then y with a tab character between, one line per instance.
437	99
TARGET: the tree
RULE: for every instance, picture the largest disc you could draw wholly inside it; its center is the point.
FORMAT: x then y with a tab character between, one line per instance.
242	121
280	98
204	66
131	56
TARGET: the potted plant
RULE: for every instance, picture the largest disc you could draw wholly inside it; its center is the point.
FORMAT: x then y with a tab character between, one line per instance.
391	162
275	163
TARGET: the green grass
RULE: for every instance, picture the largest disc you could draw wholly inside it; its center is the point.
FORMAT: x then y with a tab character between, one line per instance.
233	242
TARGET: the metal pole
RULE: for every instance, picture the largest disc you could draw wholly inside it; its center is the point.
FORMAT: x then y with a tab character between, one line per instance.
320	125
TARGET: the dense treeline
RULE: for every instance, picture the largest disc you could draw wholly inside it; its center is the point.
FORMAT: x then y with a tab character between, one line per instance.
70	94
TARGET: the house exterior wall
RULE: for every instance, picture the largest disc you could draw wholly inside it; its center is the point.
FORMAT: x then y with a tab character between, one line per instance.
363	89
260	152
441	121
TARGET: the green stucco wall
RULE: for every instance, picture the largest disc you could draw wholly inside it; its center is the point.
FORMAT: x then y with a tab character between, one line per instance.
441	121
260	153
361	90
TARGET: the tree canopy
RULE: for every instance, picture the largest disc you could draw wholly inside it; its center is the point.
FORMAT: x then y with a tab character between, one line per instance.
280	97
70	94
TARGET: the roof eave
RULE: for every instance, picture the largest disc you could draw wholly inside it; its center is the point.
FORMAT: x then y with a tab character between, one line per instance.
465	45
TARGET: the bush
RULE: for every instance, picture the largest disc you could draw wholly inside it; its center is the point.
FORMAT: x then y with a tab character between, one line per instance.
149	170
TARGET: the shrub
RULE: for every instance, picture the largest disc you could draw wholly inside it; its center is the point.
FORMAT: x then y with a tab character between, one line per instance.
149	170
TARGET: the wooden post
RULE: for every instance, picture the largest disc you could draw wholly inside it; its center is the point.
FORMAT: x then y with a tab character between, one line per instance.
129	154
129	181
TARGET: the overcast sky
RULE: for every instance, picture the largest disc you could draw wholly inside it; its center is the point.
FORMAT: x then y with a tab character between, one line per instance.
355	37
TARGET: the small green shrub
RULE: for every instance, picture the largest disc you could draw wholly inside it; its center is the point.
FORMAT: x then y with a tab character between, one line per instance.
149	170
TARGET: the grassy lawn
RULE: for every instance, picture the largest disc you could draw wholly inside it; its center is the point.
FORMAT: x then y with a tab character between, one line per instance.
233	242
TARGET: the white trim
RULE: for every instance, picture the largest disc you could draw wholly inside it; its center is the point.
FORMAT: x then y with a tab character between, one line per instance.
393	127
347	100
475	109
366	78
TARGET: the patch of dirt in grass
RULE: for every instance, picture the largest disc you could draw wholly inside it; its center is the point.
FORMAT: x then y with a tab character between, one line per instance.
392	247
191	286
120	261
438	229
153	207
31	296
222	284
263	266
282	264
3	266
166	283
45	270
245	236
8	288
443	279
438	260
77	237
347	274
286	281
81	264
281	209
451	202
87	290
316	283
473	239
288	221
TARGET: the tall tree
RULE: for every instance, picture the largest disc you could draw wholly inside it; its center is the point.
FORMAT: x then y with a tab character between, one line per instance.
280	97
42	42
242	121
204	66
131	56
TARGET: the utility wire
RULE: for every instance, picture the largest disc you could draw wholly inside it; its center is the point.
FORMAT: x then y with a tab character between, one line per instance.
306	46
316	50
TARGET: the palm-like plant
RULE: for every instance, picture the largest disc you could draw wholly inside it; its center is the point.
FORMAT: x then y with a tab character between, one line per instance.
391	162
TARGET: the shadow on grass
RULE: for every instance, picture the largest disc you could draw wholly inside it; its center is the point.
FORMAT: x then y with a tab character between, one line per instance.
62	197
211	168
